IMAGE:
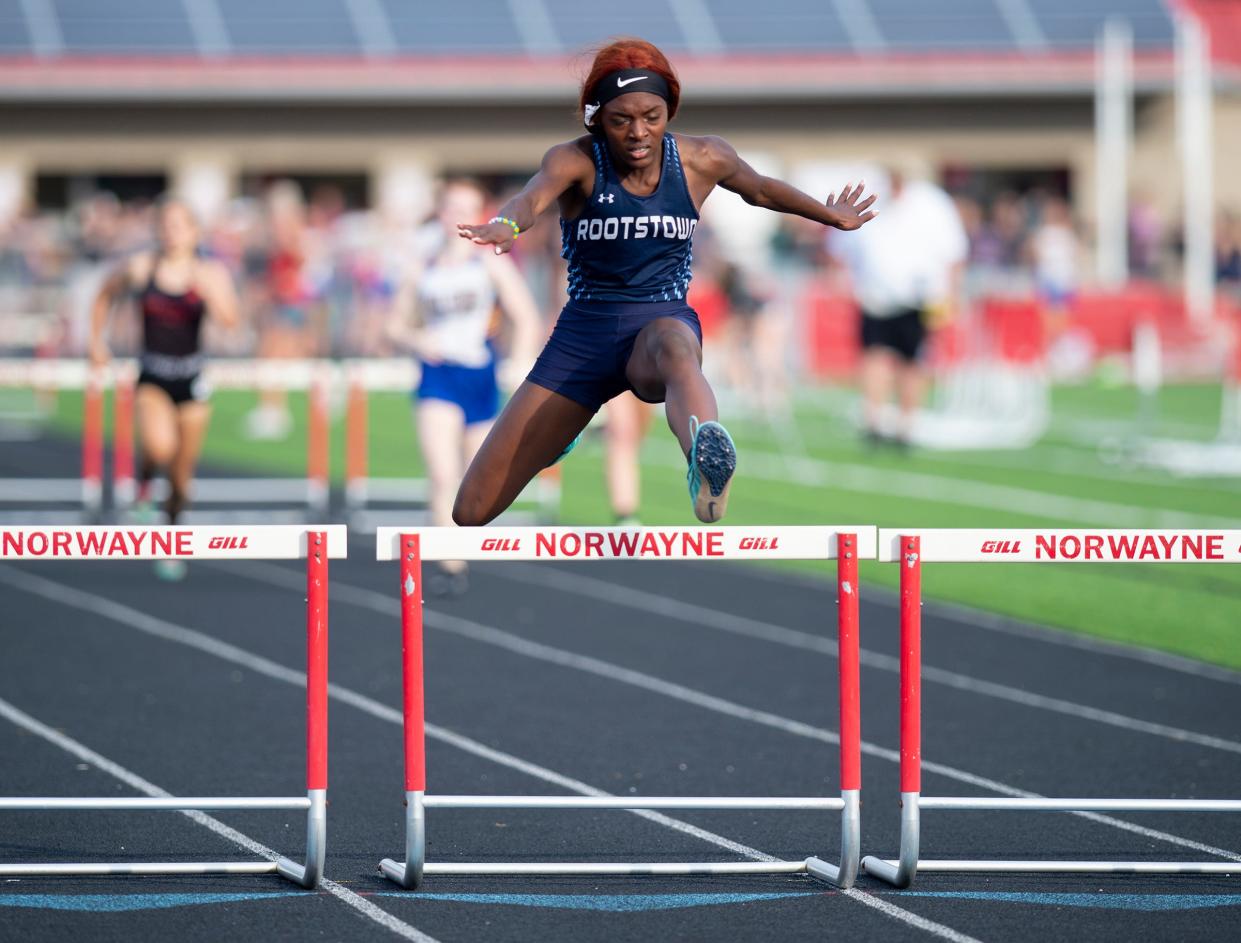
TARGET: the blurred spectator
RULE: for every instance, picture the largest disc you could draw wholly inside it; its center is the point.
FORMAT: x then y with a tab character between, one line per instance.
904	267
1010	228
318	276
1146	237
1054	251
286	331
1228	253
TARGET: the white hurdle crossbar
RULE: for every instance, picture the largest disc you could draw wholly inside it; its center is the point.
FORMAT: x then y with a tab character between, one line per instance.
316	546
912	548
845	544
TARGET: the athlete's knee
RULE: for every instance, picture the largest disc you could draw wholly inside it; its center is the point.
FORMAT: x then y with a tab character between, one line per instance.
159	453
469	510
674	350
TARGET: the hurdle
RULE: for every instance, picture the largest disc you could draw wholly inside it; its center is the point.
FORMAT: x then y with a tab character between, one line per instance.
845	544
911	549
86	491
310	494
264	542
369	499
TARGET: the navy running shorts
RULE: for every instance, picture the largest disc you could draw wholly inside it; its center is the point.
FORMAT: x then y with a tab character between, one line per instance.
473	389
586	356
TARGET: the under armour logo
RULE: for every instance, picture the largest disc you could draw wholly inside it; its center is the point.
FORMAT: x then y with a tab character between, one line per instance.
607	197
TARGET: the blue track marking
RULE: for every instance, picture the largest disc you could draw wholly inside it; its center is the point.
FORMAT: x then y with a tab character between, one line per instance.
119	903
1143	902
616	903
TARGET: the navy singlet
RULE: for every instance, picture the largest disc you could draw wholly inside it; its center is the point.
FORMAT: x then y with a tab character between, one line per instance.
629	248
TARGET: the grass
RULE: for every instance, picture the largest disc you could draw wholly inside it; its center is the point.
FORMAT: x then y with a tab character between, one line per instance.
1060	482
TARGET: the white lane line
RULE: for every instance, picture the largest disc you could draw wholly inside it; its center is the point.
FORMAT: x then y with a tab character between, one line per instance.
137	783
905	916
377	602
125	615
1009	625
793	638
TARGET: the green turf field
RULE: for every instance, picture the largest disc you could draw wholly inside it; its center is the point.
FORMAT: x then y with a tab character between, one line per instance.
1062	482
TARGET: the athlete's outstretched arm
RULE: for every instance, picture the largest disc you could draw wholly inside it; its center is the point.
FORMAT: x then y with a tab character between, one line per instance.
718	161
563	167
115	285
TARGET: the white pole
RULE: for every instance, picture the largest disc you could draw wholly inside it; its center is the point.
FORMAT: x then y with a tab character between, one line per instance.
1193	96
1113	141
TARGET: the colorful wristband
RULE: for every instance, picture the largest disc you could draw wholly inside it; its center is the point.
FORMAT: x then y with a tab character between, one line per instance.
507	222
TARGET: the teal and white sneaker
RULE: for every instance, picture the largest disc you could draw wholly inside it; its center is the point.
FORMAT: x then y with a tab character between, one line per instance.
712	461
144	512
567	449
171	571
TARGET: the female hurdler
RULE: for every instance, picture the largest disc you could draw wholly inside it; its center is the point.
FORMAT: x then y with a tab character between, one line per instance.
629	194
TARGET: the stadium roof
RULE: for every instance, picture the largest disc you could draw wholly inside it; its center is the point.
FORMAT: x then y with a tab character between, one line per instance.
520	49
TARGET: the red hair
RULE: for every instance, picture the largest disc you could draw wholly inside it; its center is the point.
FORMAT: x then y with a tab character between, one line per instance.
630	54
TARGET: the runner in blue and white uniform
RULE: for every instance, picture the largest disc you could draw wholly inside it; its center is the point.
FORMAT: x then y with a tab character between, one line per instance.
446	317
629	194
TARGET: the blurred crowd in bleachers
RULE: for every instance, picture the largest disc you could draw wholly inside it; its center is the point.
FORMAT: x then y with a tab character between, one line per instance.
318	277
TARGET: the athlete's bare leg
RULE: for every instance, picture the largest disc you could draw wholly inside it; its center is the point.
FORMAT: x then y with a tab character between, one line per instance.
475	435
441	432
157	430
533	430
192	420
878	378
628	419
666	364
441	427
910	384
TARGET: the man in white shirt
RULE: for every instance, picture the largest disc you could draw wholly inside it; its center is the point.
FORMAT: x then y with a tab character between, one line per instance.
903	265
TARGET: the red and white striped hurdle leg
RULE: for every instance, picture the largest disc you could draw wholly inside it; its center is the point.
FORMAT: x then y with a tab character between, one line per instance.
409	873
849	651
901	872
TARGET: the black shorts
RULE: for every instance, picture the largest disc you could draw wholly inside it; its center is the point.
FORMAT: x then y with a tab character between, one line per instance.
189	390
903	333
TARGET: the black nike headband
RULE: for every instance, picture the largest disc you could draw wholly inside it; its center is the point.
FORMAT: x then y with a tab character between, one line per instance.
622	82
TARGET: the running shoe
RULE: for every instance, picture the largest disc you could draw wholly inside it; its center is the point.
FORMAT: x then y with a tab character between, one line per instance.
144	512
712	461
170	570
567	449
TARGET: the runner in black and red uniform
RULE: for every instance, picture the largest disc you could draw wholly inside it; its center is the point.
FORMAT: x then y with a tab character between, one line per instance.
175	291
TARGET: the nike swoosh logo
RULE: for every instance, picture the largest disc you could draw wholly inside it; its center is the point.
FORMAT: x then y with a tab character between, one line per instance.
621	83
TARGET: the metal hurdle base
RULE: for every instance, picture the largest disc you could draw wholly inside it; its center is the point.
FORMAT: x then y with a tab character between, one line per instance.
307	874
901	872
410	872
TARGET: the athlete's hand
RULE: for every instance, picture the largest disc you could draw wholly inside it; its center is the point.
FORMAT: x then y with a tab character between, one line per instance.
499	235
850	214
